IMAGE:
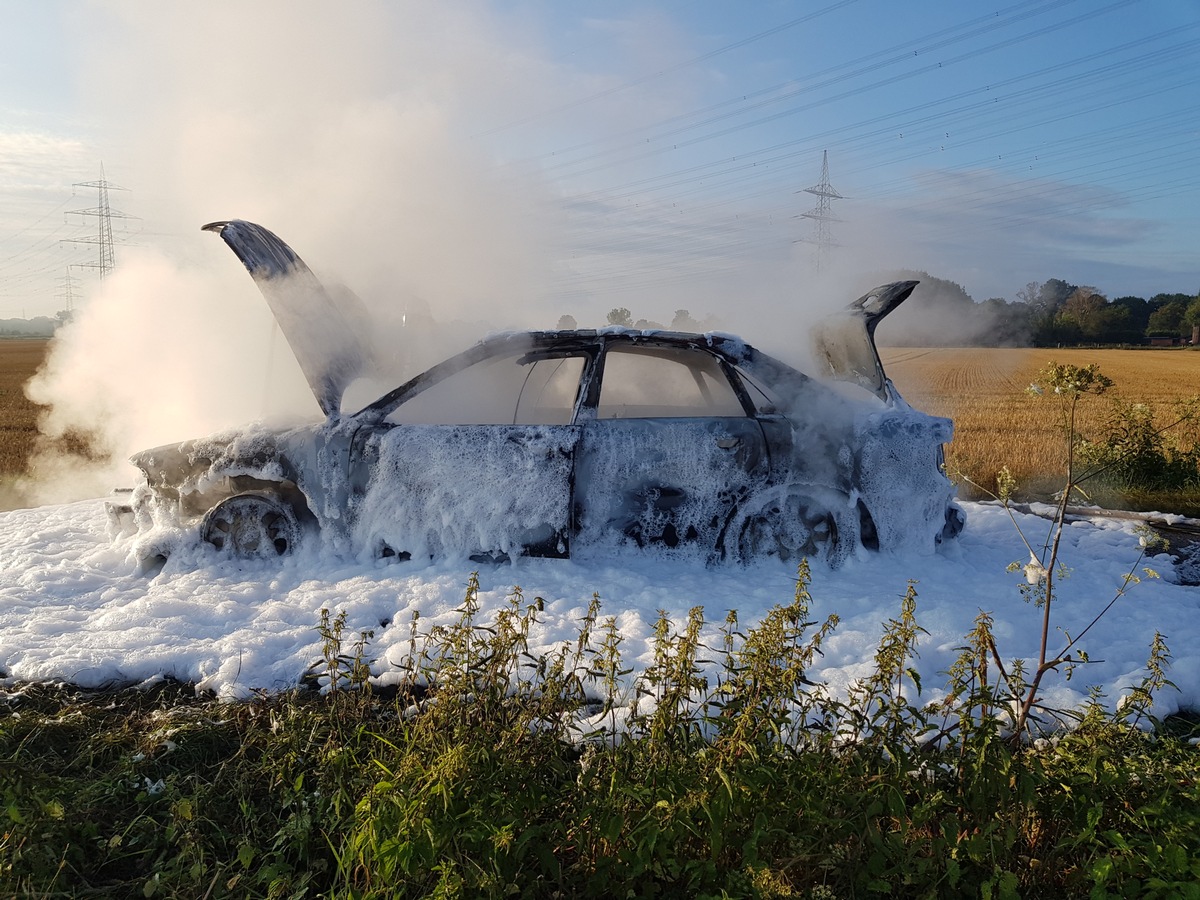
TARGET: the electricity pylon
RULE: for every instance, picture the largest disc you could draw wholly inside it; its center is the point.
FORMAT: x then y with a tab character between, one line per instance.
821	214
104	215
68	290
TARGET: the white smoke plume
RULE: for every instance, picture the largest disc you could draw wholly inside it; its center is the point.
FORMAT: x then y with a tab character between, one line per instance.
383	142
340	128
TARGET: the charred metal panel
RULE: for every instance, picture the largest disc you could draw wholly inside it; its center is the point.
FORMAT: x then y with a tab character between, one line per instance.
437	490
665	482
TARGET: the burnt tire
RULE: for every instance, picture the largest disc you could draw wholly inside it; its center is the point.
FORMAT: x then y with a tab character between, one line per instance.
252	526
792	524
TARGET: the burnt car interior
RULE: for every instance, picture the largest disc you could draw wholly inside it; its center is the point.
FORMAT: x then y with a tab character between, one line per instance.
653	383
552	387
545	388
518	388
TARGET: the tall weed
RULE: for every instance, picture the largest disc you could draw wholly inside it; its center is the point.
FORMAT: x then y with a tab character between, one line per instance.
724	770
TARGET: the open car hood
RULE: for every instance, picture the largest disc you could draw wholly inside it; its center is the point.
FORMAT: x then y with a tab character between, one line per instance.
326	335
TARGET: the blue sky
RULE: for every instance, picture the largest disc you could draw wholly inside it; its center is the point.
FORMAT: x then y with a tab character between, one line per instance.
590	155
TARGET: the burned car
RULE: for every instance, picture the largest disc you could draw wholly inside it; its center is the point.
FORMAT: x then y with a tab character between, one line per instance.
561	443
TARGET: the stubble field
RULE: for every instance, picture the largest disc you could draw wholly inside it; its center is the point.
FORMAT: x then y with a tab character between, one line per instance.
19	359
997	423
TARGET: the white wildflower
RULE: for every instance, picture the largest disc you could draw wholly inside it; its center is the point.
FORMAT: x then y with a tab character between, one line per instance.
1034	570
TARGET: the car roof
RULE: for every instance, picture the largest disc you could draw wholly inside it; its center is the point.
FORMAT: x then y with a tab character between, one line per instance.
730	348
727	345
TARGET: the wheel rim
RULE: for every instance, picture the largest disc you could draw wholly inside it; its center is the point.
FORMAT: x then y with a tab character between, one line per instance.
251	526
792	527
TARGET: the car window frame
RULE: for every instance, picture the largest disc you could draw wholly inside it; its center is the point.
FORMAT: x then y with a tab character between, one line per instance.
537	345
591	405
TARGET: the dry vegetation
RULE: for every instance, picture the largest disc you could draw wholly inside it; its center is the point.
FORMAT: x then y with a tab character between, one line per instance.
20	439
998	423
19	359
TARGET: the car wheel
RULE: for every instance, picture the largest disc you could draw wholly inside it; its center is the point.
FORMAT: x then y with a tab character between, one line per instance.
789	526
252	526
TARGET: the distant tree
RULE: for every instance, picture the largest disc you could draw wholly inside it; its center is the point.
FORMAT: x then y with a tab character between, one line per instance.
1192	318
936	292
1065	331
1163	299
1047	328
1003	324
38	326
939	313
1114	325
1167	320
620	316
648	325
683	321
1084	306
1139	312
1055	329
567	323
1054	294
1042	328
1030	293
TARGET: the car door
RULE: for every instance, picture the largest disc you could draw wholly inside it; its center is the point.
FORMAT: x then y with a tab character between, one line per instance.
478	463
667	453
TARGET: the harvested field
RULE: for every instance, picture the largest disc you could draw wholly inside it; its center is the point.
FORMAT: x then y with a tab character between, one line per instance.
19	359
998	423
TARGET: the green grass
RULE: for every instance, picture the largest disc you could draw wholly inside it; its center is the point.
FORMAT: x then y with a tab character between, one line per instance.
494	772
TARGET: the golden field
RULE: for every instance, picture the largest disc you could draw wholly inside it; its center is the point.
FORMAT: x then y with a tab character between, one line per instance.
19	359
997	422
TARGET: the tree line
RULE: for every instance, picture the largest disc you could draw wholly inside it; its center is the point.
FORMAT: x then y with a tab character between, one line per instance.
1067	314
1054	313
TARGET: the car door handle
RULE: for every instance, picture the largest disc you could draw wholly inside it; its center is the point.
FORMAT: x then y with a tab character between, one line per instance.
728	443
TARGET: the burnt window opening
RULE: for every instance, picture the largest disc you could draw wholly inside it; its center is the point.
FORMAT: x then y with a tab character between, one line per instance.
765	399
642	383
513	389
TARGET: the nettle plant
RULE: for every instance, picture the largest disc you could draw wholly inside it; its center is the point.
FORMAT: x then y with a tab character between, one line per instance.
1068	385
762	694
1136	453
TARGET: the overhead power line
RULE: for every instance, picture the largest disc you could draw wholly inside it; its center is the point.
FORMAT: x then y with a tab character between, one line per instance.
104	215
821	215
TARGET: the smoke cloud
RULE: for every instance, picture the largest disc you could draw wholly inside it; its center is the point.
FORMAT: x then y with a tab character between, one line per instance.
381	142
343	130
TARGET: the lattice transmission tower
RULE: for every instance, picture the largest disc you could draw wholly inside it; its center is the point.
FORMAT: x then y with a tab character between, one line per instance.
67	291
104	215
821	215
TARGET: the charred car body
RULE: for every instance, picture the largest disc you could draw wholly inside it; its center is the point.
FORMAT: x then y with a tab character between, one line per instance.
554	443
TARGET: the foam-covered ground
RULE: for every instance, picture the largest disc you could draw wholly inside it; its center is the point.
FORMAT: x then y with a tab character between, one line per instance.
74	607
